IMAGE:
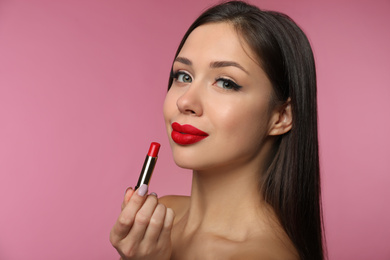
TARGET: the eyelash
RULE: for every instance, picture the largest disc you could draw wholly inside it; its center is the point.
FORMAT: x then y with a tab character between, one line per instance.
234	86
175	75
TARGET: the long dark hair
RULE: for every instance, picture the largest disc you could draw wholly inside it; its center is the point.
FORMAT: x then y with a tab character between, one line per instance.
291	183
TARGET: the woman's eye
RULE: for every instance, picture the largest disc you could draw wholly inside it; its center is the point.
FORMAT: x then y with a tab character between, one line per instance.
182	77
227	84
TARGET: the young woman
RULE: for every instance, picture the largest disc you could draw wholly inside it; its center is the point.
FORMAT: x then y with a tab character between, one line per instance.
241	112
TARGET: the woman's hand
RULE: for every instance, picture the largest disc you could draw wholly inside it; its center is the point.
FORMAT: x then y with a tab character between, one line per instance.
143	228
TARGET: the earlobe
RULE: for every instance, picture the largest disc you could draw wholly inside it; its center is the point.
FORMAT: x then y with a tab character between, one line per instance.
282	119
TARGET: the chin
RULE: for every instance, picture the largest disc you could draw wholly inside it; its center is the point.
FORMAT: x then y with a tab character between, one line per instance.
185	163
199	165
190	164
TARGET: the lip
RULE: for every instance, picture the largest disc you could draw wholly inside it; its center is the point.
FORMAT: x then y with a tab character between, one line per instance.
186	134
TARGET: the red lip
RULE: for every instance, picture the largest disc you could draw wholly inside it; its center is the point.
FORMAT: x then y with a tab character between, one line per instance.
186	134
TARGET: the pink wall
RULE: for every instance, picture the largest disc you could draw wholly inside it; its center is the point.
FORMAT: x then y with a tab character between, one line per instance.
81	90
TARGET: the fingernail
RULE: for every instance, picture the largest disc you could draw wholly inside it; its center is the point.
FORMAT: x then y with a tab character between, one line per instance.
154	194
143	190
129	188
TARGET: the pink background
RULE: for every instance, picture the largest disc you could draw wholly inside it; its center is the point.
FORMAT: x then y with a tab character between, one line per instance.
81	90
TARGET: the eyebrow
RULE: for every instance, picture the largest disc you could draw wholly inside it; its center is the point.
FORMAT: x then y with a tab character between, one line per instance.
183	60
215	64
221	64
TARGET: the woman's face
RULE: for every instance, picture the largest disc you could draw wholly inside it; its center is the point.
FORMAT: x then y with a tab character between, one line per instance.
220	89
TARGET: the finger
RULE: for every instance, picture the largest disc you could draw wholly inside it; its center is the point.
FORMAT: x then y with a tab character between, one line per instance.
128	193
165	235
142	220
156	224
126	218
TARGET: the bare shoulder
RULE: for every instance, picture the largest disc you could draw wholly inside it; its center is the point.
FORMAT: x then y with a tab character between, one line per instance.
172	201
264	253
267	249
179	204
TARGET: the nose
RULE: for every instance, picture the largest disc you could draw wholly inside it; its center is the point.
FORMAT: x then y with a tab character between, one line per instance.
190	102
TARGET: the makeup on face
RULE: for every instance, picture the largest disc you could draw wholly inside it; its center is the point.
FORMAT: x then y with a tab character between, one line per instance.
186	134
234	118
148	167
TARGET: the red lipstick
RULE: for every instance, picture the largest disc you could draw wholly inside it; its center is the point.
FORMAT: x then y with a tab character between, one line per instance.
148	167
186	134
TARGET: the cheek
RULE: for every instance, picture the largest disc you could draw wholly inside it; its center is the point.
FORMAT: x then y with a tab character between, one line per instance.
169	106
247	121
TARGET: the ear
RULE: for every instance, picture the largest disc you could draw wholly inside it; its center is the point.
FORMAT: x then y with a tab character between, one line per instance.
281	120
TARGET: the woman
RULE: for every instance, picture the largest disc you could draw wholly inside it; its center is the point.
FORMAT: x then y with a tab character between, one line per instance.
241	112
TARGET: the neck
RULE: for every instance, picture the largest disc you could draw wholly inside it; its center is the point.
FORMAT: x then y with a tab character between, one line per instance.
225	201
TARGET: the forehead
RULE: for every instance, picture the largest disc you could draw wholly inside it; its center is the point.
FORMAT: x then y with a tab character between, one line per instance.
218	41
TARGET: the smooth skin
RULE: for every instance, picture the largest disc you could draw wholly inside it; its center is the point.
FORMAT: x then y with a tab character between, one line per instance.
225	217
